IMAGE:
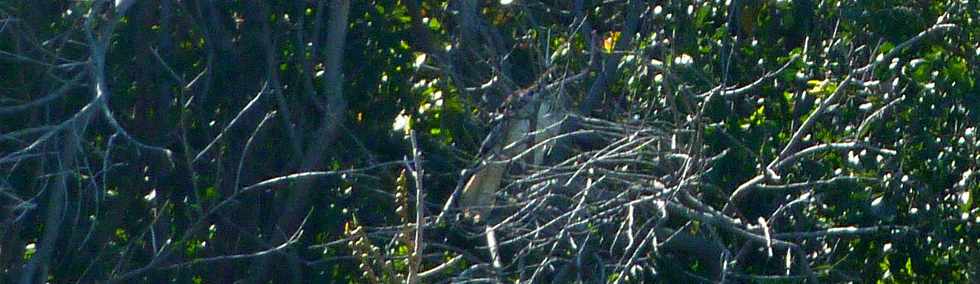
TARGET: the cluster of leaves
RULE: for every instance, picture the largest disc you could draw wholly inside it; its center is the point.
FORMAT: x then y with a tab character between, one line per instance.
211	141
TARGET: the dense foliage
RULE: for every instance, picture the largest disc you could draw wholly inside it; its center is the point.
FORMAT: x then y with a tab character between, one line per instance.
770	141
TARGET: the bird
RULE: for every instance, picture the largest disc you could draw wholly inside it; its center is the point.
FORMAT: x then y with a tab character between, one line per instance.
511	124
507	138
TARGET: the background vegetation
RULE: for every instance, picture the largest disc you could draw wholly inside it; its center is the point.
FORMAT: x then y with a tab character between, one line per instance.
341	141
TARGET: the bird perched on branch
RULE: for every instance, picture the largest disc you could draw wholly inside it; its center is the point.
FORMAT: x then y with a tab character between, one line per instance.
508	137
510	126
